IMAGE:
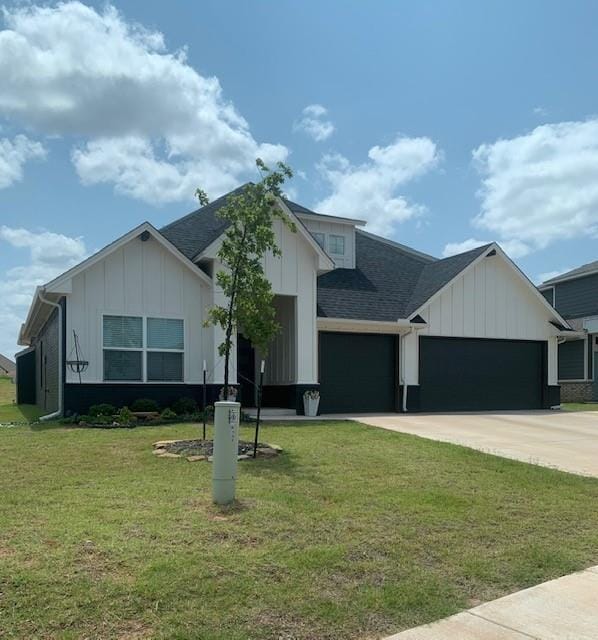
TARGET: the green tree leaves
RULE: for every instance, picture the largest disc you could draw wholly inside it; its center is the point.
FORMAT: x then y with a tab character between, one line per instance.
250	235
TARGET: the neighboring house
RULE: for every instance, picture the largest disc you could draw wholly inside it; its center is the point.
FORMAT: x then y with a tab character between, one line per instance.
7	367
575	296
375	325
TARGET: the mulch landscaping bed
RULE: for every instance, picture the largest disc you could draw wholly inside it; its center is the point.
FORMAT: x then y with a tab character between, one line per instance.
196	450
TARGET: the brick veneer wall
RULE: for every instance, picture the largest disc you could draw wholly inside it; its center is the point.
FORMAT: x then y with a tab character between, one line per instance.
576	391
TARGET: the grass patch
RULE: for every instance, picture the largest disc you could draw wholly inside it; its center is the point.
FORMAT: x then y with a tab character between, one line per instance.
353	532
579	406
11	412
19	413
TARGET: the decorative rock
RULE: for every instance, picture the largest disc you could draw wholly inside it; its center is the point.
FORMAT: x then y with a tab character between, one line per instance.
196	450
162	443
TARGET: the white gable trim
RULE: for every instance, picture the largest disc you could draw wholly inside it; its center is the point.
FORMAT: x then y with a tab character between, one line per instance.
62	284
499	253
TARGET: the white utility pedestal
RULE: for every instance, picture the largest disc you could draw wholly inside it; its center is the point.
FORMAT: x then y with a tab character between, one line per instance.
226	450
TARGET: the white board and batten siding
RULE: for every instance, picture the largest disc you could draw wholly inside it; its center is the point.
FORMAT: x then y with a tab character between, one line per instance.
491	301
294	275
346	261
140	279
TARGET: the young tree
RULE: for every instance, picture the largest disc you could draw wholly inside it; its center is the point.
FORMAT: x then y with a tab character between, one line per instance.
249	236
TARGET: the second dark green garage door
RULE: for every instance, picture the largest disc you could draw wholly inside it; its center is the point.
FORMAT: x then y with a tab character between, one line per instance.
357	372
466	374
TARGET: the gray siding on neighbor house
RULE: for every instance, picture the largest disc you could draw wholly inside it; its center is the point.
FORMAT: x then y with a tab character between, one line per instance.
548	294
571	360
577	298
46	374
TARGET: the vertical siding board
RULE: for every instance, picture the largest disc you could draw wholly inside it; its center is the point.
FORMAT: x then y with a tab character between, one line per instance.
446	317
469	303
133	267
490	297
114	285
480	281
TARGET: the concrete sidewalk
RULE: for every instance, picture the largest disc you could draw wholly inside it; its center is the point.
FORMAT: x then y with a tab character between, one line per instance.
562	609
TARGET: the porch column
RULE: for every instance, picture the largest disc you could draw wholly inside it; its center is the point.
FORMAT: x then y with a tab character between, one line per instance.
307	334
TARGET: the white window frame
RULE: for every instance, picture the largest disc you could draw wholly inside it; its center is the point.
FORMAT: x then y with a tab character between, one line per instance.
155	350
144	348
337	235
322	235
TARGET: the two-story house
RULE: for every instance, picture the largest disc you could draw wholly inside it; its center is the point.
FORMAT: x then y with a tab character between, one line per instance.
575	296
374	325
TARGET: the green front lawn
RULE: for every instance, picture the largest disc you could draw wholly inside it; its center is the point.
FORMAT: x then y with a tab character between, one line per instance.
579	406
353	532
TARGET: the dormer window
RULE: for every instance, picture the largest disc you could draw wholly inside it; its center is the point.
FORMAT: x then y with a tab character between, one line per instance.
320	238
336	244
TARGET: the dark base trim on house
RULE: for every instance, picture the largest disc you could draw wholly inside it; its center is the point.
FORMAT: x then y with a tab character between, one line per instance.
79	397
286	396
552	396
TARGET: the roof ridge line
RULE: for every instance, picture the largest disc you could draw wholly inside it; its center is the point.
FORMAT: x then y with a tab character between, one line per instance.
402	247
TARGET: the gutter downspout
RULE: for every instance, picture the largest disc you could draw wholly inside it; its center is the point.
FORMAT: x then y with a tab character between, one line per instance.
56	305
403	380
402	354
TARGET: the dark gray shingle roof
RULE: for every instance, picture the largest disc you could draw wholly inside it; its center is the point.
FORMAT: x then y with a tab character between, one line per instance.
584	270
389	281
437	274
198	229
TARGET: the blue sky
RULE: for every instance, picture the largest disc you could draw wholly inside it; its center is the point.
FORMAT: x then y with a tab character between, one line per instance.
441	123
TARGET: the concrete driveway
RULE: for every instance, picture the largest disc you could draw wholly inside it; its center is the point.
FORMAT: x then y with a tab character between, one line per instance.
559	439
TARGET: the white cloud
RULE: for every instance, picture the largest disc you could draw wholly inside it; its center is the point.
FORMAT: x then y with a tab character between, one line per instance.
315	123
540	111
49	255
549	275
513	248
542	187
370	191
14	154
116	85
453	248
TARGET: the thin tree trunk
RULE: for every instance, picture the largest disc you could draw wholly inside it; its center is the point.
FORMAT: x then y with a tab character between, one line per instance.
229	325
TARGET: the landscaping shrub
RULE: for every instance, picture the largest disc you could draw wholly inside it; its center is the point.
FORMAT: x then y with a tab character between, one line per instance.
144	404
126	417
184	405
168	414
104	409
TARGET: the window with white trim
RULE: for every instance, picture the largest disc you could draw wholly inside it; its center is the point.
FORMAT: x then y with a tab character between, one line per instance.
139	350
336	244
165	349
320	238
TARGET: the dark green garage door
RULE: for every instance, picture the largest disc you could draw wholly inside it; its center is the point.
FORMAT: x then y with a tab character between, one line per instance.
463	374
357	372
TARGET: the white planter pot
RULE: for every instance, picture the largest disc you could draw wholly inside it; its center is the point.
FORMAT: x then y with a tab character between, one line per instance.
310	406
